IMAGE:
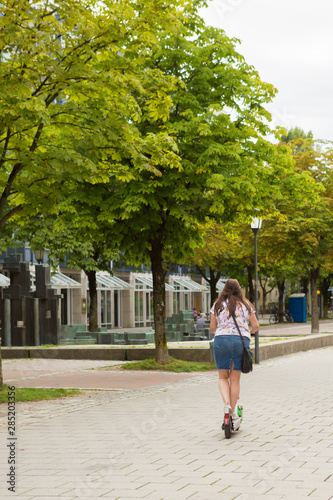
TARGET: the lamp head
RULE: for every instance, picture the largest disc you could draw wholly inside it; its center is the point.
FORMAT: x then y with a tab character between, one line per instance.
256	224
39	254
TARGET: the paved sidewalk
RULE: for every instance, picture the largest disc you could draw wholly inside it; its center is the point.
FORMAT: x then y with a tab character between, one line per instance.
165	442
293	329
81	374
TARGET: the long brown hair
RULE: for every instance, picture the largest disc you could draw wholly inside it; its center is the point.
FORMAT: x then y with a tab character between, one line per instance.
231	293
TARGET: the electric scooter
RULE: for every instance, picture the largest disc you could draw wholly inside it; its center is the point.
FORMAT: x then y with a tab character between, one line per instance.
227	424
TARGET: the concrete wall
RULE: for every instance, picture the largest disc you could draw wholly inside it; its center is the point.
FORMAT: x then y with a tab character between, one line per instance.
267	351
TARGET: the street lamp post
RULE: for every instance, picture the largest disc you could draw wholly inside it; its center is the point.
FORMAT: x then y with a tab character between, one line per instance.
255	226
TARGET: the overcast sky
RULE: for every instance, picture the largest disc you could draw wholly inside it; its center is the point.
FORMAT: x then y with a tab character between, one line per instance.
290	43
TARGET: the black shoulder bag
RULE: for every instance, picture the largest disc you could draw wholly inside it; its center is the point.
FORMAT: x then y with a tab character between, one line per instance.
247	360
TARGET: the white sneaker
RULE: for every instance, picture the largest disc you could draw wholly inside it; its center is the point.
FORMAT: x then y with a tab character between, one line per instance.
236	421
227	409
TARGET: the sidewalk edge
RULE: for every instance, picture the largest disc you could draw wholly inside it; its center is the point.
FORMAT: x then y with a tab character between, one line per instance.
266	351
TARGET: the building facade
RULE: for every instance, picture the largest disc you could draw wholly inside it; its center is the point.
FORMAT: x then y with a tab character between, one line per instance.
124	296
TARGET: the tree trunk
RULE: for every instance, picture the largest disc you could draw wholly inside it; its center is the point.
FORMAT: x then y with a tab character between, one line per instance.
213	279
305	289
1	377
251	287
93	324
159	274
314	275
324	290
305	284
265	292
280	285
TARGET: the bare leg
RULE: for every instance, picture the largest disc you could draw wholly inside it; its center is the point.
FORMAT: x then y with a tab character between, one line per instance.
224	385
234	387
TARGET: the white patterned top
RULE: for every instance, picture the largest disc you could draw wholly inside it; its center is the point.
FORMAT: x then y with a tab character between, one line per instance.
226	324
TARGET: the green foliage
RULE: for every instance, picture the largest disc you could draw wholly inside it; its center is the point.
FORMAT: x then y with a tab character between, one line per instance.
299	242
75	85
127	126
193	150
296	133
221	246
173	365
302	234
217	120
68	75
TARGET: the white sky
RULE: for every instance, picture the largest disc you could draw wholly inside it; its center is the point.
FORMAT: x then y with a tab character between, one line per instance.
290	43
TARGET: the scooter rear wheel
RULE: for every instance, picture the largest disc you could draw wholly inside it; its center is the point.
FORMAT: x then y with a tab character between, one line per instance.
227	431
227	425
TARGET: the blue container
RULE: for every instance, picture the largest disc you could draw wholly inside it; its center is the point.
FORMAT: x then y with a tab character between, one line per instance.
297	307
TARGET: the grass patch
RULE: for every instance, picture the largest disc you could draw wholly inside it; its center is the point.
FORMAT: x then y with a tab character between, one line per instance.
32	394
266	341
173	365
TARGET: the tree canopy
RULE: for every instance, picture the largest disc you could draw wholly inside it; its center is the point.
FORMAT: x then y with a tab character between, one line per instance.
184	144
129	126
218	120
69	72
300	239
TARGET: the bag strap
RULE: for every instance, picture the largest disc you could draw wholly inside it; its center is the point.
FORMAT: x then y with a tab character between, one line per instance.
241	336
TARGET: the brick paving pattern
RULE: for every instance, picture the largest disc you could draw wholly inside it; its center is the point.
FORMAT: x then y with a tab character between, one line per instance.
164	441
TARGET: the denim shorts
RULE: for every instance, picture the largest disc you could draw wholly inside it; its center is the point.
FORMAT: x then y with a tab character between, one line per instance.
229	348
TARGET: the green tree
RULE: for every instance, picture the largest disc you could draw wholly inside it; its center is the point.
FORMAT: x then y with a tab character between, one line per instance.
316	158
68	75
281	256
231	247
217	120
227	249
296	133
301	237
211	259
